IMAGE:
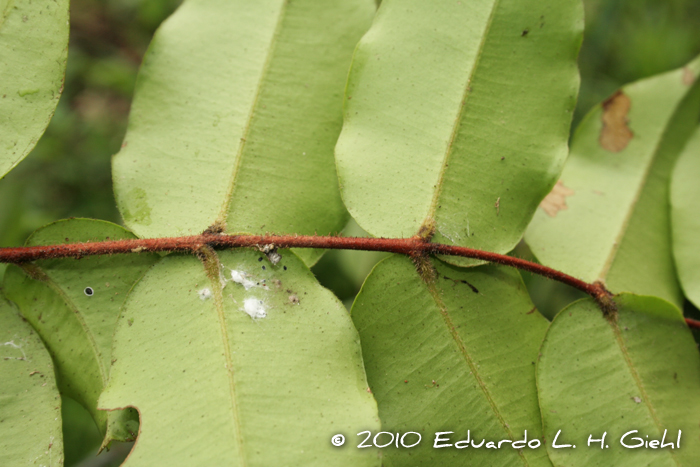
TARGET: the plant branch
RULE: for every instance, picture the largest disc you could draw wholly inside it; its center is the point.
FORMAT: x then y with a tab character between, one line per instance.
692	323
414	247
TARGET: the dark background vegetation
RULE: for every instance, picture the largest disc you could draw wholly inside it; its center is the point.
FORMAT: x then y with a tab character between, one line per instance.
68	173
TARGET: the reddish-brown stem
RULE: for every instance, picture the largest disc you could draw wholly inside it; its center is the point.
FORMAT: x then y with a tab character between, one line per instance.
409	246
414	247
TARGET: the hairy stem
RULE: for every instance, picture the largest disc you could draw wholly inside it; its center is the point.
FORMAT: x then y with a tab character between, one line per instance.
414	247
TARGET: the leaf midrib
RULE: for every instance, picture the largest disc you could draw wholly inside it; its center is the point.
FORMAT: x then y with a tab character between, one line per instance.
466	94
6	13
653	160
630	211
435	293
638	380
213	268
223	214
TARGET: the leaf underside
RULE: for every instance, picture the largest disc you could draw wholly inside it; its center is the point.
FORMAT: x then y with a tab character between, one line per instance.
685	221
237	109
608	219
456	120
457	117
454	355
239	376
33	52
640	372
30	405
76	327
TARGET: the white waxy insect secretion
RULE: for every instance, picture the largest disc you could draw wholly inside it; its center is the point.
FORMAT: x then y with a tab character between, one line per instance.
254	307
205	294
240	277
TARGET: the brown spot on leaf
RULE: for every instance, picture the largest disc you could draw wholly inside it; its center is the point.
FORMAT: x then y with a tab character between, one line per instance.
555	201
688	76
616	133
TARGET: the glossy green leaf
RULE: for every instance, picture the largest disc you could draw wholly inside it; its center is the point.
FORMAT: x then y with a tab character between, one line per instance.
608	219
456	355
237	109
33	51
638	372
239	376
77	327
457	117
30	405
685	218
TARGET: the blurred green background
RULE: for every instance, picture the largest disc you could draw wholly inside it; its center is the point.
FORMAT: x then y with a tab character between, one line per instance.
68	173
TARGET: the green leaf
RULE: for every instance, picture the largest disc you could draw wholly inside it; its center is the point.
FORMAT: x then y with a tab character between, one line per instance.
33	52
454	355
30	406
640	371
457	117
608	218
685	221
239	376
238	107
77	327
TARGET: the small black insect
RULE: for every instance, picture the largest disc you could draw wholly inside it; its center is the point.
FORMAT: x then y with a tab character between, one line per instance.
89	292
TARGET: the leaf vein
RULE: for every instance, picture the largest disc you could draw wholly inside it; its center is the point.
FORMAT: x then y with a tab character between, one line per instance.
435	293
460	113
242	143
213	268
628	217
638	380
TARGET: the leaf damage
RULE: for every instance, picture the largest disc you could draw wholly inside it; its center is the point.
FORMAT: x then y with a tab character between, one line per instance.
555	201
616	134
688	76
